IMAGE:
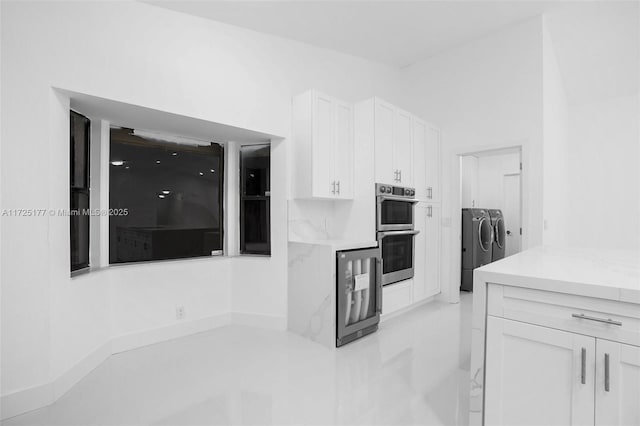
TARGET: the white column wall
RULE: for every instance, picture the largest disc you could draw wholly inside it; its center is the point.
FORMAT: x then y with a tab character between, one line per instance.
484	95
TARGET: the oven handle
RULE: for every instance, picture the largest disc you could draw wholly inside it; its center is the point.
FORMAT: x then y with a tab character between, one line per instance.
392	233
382	198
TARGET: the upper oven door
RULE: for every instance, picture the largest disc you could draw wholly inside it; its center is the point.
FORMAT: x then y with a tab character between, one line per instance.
394	213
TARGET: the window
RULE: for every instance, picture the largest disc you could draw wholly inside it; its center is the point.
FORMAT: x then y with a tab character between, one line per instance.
255	184
79	191
165	197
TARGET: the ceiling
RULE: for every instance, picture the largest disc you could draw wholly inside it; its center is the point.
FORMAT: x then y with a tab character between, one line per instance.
396	33
596	41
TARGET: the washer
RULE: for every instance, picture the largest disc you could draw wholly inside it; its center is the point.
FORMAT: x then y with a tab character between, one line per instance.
477	236
499	236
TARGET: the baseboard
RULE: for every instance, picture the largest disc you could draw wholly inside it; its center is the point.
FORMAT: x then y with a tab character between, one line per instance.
408	308
69	378
127	342
260	321
35	397
25	400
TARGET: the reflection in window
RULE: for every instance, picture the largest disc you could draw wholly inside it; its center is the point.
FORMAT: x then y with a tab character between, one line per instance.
255	184
165	197
79	186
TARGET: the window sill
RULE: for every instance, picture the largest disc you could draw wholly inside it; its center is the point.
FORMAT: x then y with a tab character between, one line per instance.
89	270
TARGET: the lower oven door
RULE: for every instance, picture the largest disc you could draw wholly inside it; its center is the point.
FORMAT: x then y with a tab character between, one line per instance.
397	255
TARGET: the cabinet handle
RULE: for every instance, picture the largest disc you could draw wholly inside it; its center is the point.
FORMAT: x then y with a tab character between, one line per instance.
607	384
395	175
430	211
338	187
400	173
587	317
333	191
430	192
583	370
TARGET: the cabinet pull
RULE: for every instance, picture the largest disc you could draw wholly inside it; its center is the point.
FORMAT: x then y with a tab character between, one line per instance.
338	187
607	384
395	174
400	174
583	369
430	192
333	191
430	211
587	317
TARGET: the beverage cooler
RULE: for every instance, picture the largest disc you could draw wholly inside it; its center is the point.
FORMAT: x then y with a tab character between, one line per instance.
358	294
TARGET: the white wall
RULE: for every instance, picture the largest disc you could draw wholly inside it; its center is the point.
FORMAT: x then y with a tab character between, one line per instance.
148	56
604	177
485	94
491	171
556	149
469	181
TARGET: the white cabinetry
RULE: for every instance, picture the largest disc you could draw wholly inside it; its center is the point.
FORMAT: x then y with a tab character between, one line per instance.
323	145
393	140
555	358
403	147
427	252
426	160
534	375
617	383
433	163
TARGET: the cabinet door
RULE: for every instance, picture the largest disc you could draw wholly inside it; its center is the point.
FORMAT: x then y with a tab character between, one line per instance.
433	163
403	148
537	375
433	251
420	253
322	146
343	150
383	119
419	130
617	384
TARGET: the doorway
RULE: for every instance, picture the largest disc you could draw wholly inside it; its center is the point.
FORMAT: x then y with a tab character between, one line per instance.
490	192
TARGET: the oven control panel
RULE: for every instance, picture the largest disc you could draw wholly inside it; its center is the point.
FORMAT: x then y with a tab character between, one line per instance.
398	191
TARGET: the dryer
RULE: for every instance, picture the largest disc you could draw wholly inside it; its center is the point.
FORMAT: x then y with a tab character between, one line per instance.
499	235
477	237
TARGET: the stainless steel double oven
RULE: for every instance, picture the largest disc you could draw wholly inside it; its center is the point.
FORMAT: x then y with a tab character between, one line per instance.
395	231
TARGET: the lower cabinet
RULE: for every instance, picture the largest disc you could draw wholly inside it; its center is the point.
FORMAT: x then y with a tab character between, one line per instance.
617	383
426	251
537	375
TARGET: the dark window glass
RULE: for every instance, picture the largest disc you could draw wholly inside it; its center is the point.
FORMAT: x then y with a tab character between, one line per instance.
397	253
79	191
166	198
255	218
396	212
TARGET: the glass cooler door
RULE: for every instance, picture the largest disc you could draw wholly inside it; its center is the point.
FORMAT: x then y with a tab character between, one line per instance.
358	294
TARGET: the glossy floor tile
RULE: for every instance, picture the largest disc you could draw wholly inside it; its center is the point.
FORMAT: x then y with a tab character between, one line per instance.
414	370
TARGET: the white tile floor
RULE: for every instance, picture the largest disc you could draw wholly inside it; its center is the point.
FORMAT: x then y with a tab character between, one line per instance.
414	370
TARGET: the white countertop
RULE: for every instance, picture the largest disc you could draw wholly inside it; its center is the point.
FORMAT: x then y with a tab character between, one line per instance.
339	244
607	274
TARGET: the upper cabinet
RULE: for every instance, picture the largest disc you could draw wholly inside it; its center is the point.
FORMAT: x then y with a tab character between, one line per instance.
432	163
393	140
407	149
323	143
426	160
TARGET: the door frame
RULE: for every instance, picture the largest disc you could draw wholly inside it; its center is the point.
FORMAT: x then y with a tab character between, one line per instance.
451	291
520	175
